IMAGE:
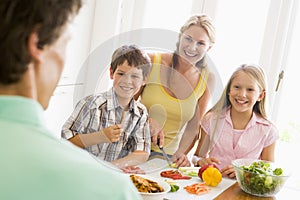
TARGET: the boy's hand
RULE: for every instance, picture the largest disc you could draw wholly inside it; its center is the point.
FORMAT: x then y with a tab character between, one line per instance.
112	133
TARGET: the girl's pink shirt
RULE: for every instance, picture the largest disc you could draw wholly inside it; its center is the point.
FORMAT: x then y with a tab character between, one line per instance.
230	144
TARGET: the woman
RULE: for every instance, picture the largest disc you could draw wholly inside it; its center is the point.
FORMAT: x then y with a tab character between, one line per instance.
176	94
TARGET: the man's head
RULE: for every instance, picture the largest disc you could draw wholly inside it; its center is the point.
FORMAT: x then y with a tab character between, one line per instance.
32	34
129	68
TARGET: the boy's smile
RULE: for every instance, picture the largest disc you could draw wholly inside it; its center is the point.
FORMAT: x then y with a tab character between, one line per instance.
127	81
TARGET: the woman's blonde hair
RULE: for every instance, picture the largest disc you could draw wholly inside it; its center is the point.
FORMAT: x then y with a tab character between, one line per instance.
202	21
257	74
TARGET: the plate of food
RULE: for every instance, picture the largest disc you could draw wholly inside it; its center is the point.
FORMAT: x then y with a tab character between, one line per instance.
150	188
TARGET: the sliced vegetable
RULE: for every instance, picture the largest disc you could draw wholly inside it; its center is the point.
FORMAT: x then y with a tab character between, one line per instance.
173	165
173	174
174	186
197	188
189	171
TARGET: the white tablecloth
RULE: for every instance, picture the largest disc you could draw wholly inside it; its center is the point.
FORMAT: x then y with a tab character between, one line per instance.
155	166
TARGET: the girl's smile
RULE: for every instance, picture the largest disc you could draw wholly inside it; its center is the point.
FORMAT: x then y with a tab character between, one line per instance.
244	93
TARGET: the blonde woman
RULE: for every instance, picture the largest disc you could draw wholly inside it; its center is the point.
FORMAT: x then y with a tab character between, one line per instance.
237	126
176	94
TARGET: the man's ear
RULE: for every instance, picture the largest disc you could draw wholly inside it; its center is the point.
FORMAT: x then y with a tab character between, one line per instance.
33	49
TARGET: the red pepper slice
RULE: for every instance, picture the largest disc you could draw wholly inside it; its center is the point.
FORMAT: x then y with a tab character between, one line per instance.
173	174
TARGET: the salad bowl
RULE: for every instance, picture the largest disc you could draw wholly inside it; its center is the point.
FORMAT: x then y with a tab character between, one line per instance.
259	177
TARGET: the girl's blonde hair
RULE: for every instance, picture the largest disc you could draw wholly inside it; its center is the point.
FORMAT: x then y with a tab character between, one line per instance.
256	73
202	21
219	109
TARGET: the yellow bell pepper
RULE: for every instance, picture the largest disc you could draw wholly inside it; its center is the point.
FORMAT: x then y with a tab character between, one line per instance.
211	176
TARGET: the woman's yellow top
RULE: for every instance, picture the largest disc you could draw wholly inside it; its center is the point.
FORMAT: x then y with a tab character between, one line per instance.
170	112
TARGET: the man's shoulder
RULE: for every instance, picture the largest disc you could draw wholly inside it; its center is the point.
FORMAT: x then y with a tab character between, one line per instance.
66	166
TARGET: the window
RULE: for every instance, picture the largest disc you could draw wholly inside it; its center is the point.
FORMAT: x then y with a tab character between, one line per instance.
288	120
166	14
240	27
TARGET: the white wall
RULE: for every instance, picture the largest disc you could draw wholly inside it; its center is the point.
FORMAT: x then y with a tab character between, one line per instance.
62	102
102	26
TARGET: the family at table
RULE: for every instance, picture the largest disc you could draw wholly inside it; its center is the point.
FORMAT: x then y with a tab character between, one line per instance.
155	96
166	95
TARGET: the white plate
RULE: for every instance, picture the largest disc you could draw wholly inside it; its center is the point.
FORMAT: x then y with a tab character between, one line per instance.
159	195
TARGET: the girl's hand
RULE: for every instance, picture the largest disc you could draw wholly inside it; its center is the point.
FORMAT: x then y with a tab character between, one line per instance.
181	160
228	172
112	133
207	161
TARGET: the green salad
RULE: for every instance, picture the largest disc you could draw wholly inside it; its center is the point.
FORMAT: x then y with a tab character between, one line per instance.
260	178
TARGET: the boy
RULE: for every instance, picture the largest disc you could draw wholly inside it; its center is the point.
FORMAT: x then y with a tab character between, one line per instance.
112	125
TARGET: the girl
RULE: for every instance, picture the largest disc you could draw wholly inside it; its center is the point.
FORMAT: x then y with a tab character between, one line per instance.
237	126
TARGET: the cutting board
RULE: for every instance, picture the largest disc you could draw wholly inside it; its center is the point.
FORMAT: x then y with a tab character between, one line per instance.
154	165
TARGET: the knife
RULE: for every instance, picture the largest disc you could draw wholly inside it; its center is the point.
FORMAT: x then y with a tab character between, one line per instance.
164	153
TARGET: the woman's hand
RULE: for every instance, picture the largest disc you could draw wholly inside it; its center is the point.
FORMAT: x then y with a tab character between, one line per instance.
228	172
112	133
181	160
156	131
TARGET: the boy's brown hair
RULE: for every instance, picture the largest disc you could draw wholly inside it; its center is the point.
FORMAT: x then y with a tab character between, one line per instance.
133	55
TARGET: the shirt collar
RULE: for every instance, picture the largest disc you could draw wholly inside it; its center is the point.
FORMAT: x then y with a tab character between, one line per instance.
253	121
112	103
21	109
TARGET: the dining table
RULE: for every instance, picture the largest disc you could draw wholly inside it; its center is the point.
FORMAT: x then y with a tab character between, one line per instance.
227	189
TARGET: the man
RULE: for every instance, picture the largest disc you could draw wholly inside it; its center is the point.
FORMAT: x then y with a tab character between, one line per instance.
34	163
